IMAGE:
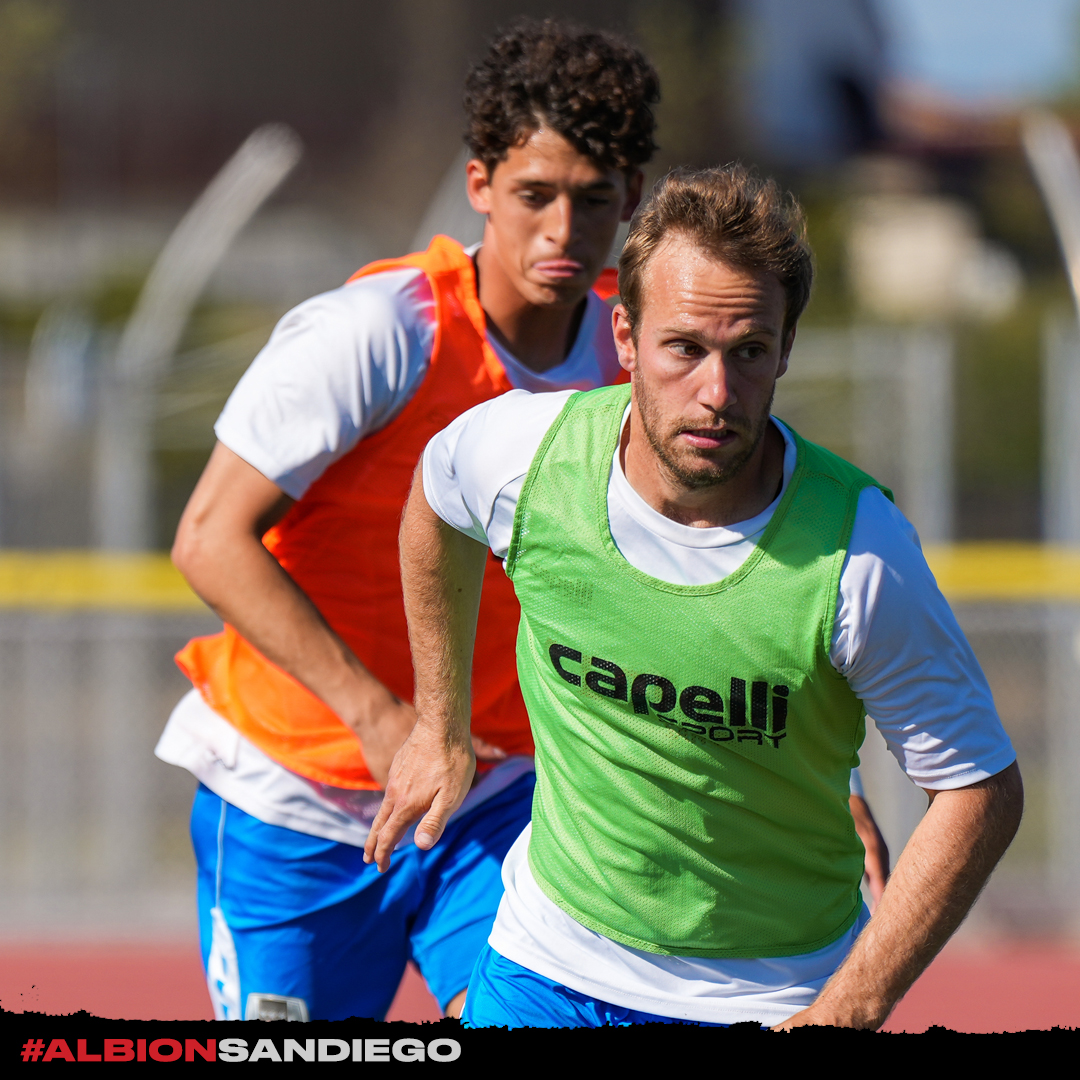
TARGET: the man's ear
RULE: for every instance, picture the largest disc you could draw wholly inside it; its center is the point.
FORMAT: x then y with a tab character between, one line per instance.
478	186
624	338
634	184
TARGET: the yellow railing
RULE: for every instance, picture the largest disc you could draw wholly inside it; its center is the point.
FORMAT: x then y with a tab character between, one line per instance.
73	580
1007	571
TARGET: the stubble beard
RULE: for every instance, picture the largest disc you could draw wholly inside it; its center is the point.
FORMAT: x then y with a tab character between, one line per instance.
708	472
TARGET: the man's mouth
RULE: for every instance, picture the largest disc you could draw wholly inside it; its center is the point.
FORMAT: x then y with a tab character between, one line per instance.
559	269
708	438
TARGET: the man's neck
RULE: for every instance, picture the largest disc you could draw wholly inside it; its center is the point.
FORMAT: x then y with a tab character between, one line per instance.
741	498
540	337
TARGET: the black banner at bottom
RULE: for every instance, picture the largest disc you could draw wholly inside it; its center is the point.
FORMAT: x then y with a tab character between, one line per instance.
39	1039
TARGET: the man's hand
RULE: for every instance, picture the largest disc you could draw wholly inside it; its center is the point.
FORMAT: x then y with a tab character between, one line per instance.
428	779
937	878
219	550
442	572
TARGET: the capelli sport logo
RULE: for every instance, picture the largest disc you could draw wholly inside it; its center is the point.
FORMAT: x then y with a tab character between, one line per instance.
696	710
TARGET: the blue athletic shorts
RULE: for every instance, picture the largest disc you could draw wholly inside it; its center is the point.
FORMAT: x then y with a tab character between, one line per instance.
288	914
505	994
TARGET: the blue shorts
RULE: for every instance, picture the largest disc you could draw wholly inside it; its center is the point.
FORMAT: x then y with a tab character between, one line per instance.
505	994
296	916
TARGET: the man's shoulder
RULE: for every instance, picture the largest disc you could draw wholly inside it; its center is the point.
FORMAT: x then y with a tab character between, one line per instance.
443	259
400	295
373	317
471	464
817	460
504	429
577	419
514	415
602	399
443	255
337	368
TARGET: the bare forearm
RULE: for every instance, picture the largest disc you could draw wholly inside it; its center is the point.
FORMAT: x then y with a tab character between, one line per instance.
442	573
244	584
936	880
219	550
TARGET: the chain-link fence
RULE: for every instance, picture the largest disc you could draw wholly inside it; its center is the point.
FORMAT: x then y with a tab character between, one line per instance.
1031	656
93	828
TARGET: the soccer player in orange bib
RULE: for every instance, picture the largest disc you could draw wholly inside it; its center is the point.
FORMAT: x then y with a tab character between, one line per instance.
290	536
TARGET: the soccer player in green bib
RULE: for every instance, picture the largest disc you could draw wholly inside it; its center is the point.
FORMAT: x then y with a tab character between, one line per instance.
711	607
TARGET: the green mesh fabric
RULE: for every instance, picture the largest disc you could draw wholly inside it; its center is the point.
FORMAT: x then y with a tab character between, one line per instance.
693	743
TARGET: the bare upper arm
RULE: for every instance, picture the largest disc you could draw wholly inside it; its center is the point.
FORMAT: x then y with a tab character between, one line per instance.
232	501
1005	789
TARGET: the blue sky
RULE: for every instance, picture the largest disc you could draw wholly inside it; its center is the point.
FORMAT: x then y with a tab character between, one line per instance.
979	49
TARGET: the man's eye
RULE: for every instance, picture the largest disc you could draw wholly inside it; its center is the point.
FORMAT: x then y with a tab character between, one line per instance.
750	352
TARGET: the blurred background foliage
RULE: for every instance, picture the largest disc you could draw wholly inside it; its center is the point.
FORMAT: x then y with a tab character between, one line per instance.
31	37
114	114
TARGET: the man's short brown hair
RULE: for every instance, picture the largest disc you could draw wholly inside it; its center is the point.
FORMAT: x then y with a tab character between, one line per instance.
590	86
735	216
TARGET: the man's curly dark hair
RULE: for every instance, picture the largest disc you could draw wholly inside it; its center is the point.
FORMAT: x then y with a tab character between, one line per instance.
590	86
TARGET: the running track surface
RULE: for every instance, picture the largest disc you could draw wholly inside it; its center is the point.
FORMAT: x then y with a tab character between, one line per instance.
1006	987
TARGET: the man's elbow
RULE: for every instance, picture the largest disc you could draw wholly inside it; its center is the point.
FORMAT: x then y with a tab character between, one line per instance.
184	549
192	552
1008	788
1001	806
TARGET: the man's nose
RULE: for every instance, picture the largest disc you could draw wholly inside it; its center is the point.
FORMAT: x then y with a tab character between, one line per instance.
559	221
716	390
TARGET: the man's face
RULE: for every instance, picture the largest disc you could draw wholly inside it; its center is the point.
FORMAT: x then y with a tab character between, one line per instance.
552	216
710	347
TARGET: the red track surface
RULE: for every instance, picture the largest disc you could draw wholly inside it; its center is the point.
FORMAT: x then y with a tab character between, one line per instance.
1017	987
137	982
1004	988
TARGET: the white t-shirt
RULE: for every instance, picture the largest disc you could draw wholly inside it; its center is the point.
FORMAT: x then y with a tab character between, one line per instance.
342	365
337	368
895	640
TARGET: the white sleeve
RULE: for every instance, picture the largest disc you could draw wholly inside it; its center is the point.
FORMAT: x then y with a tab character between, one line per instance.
855	784
337	368
899	645
474	469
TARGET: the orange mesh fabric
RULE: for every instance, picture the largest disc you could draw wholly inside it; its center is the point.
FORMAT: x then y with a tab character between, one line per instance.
339	544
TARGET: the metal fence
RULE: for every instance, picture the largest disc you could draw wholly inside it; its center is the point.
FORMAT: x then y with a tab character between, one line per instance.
883	399
92	826
1030	653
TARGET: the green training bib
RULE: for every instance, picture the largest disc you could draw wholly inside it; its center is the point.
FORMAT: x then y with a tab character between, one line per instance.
693	743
